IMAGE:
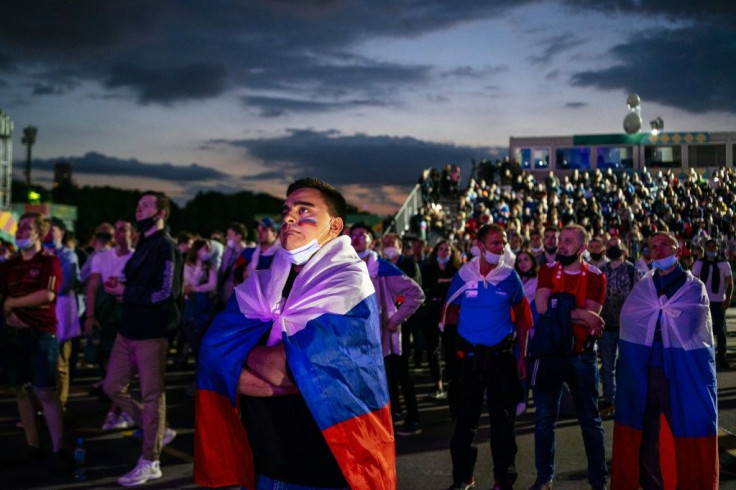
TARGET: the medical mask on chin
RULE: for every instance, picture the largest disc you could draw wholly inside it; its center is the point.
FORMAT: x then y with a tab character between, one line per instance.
231	244
390	253
24	243
146	224
205	256
711	255
475	251
665	263
491	258
537	250
566	260
365	253
299	256
442	261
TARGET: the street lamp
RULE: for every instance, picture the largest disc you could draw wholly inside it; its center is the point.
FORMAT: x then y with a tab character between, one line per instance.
29	137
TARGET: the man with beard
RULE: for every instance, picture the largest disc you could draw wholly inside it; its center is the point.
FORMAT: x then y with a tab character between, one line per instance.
549	241
569	291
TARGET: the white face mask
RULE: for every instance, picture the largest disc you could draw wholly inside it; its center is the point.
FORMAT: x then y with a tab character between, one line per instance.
491	258
300	255
24	243
390	253
440	260
204	256
231	244
475	251
365	253
665	263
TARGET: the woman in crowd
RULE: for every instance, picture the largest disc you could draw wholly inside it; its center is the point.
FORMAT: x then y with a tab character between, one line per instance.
199	284
437	273
527	267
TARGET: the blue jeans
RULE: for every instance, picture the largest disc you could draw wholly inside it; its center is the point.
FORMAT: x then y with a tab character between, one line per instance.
608	346
267	483
31	356
580	372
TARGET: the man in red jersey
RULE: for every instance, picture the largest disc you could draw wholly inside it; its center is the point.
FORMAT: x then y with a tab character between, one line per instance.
579	288
29	283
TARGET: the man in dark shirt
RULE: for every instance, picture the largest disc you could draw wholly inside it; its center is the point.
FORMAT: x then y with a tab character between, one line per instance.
29	283
148	292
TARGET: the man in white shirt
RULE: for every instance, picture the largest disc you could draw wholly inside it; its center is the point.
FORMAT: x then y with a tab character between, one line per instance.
104	313
715	271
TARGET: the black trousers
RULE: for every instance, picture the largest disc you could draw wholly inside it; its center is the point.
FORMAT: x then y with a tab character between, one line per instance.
499	377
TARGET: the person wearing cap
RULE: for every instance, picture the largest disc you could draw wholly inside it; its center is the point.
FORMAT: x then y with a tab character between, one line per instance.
67	311
267	233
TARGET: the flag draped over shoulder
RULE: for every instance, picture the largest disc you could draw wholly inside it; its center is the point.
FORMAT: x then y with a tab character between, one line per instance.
331	334
689	365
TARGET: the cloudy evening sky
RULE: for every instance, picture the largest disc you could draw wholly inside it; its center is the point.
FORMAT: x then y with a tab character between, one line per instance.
185	96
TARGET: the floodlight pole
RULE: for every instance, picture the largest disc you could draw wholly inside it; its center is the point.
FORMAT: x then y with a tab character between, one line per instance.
29	138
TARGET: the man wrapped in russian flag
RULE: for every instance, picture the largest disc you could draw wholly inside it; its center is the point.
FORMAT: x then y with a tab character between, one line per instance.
301	342
666	419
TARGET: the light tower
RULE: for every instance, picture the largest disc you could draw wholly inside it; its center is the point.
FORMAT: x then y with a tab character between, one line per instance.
29	138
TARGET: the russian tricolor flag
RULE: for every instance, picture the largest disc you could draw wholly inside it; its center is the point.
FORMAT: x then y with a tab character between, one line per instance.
330	329
690	459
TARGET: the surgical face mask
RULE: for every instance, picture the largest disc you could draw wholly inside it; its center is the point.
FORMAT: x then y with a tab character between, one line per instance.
491	258
711	255
475	251
665	263
231	243
390	253
537	250
550	250
440	260
204	256
596	256
299	256
145	224
24	243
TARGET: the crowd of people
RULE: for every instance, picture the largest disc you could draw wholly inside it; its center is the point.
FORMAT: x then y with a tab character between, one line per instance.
511	289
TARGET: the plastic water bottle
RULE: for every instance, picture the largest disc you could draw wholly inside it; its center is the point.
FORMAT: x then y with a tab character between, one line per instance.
80	455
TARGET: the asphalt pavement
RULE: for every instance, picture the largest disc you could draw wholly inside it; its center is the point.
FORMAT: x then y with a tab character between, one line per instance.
423	460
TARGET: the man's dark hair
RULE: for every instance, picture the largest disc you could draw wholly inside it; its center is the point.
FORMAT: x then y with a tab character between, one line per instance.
162	202
336	205
39	221
239	229
551	228
365	226
183	237
486	229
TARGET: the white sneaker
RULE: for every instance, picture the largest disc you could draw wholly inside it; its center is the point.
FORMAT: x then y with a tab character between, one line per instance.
111	420
145	470
125	421
169	435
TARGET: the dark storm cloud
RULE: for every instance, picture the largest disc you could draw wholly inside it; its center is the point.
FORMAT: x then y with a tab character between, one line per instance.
344	159
575	105
94	163
170	51
692	68
710	10
278	106
169	84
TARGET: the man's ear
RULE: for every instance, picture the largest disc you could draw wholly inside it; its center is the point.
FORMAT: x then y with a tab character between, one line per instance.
336	227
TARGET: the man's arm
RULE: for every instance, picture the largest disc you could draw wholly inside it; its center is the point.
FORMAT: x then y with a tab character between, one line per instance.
265	373
90	322
30	300
404	287
589	315
251	384
729	293
540	299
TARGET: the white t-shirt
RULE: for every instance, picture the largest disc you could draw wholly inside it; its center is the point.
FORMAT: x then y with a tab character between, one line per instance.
725	271
108	264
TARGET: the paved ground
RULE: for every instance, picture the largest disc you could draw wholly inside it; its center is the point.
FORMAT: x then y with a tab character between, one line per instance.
423	460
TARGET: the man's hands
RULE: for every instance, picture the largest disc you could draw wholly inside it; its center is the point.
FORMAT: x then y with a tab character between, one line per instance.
592	320
115	288
265	373
90	325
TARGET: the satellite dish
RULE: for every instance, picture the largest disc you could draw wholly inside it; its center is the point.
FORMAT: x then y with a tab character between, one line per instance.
633	101
632	123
